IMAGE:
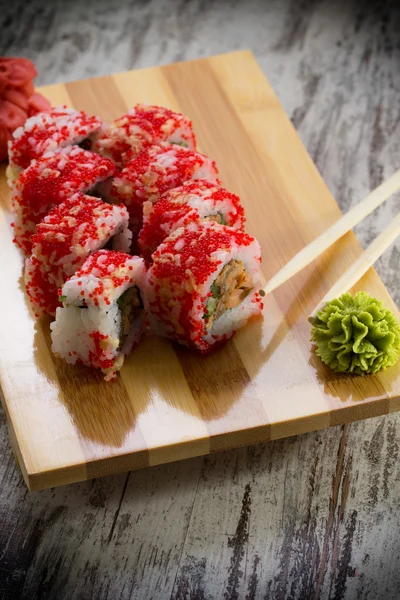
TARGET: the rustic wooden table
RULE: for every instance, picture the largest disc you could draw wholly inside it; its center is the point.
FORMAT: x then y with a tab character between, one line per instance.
316	516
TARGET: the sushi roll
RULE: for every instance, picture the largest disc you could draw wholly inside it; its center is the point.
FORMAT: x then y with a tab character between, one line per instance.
203	284
50	180
102	317
46	132
156	170
168	126
140	127
64	239
187	203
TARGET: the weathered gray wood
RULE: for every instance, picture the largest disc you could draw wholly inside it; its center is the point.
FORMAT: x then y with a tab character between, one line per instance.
101	539
311	517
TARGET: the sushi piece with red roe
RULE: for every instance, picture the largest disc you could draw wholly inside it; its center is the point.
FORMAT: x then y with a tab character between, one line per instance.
64	239
102	318
203	284
168	126
45	132
50	180
190	202
153	172
141	127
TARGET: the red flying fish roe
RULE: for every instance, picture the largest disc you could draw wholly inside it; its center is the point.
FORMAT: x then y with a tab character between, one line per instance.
168	126
187	203
108	266
124	138
156	170
46	132
49	181
64	239
142	126
41	291
98	359
180	278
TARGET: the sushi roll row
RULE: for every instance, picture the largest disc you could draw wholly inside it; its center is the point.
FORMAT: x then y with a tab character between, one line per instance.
88	196
47	164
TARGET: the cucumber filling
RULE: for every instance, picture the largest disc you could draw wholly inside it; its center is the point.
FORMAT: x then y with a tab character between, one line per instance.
63	299
217	218
229	289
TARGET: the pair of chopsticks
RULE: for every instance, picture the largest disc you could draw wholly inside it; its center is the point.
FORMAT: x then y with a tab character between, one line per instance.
336	231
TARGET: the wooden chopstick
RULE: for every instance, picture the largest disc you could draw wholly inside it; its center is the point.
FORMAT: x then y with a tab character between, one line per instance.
335	231
361	265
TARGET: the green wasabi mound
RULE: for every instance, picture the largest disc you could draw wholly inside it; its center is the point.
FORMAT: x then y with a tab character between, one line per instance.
356	335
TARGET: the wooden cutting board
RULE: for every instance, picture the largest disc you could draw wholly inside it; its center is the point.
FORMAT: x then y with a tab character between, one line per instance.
66	424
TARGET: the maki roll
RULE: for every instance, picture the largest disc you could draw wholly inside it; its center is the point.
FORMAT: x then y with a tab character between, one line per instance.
203	284
156	170
50	180
168	126
64	239
140	127
190	202
102	317
46	132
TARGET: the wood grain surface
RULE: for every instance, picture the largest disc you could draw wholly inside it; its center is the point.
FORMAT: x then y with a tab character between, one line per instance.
67	424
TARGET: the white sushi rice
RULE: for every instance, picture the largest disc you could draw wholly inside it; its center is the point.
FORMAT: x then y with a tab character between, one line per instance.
72	333
207	207
182	137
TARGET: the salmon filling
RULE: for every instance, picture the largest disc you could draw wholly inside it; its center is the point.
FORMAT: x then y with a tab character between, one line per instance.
130	305
230	288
